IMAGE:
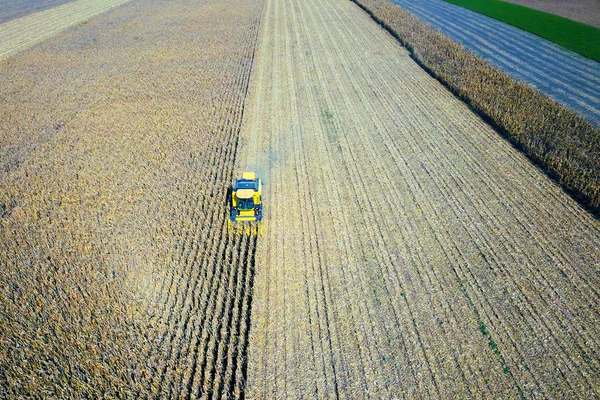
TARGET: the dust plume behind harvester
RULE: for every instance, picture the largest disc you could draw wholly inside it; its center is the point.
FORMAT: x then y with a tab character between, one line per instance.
246	205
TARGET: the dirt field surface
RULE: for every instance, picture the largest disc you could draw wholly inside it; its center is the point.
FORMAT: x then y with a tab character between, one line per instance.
586	11
117	145
409	251
24	32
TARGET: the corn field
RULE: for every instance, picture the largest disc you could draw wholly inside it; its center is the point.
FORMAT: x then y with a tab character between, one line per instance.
409	251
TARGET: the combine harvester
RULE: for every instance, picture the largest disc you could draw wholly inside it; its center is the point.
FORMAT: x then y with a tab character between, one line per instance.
246	205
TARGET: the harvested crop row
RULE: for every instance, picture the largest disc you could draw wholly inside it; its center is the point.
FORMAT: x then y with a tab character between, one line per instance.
117	275
409	251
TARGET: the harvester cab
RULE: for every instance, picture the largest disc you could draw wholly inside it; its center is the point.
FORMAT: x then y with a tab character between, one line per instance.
246	205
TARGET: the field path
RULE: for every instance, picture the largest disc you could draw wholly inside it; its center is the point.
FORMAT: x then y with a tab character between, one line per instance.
408	251
22	33
568	78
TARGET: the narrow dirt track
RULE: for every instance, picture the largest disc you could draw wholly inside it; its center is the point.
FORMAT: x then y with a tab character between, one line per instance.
409	251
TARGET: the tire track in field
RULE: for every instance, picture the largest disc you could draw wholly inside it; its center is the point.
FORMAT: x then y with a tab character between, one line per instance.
568	78
19	34
400	228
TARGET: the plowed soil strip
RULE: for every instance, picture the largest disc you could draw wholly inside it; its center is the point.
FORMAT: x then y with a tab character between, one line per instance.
22	33
409	251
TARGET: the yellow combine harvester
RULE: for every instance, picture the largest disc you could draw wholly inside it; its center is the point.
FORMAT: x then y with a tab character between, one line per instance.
246	205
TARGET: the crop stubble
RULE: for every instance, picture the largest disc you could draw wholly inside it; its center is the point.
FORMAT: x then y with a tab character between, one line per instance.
117	275
409	250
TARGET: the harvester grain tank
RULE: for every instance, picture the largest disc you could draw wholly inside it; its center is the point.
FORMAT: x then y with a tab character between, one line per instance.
246	205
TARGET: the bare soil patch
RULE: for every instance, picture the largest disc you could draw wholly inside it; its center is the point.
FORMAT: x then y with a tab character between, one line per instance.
585	11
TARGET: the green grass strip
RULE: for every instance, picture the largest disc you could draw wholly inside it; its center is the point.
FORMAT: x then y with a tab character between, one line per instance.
572	35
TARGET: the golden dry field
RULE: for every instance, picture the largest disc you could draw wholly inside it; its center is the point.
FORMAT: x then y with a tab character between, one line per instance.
409	252
117	141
